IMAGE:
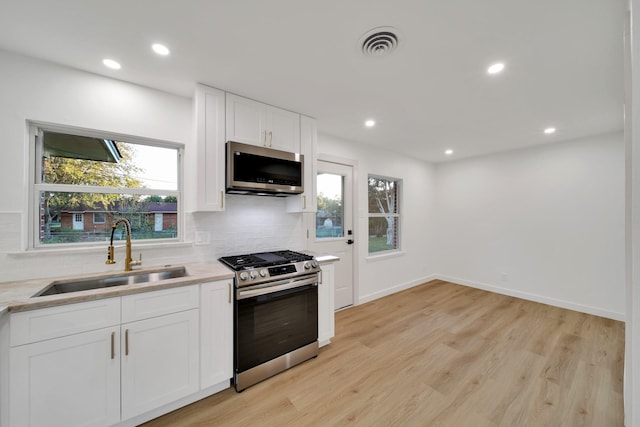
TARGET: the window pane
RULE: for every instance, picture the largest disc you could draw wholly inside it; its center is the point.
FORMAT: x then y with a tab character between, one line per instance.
75	160
330	214
383	234
75	217
383	195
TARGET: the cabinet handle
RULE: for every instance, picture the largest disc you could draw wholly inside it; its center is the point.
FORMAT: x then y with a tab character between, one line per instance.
270	139
264	138
222	199
230	290
126	342
304	202
113	345
321	281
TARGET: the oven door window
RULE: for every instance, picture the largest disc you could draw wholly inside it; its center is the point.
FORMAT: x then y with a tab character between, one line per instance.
268	326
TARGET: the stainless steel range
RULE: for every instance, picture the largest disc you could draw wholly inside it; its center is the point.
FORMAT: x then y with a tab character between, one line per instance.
276	313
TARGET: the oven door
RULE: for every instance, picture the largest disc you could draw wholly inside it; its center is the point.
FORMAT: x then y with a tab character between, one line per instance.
275	320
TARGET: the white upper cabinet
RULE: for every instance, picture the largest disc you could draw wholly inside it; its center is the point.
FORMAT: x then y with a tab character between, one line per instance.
209	173
307	201
255	123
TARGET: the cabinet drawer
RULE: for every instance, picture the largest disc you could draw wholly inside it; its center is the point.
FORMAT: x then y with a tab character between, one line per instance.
158	303
53	322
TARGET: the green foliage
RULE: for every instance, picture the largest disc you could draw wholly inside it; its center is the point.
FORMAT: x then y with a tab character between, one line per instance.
62	170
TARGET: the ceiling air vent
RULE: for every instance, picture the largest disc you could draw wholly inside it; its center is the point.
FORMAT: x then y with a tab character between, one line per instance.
379	41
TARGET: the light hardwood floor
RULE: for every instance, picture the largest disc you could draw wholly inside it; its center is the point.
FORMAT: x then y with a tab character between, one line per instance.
440	354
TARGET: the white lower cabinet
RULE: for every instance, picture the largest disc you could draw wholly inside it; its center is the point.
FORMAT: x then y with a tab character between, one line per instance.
216	333
160	359
326	304
68	381
104	362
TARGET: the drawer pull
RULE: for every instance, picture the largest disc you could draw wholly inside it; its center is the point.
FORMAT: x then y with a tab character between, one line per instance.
126	342
113	345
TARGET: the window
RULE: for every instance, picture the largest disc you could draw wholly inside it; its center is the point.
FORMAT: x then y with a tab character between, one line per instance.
330	213
99	217
383	214
85	181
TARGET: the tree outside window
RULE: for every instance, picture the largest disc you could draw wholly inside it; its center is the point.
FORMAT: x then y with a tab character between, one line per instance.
384	217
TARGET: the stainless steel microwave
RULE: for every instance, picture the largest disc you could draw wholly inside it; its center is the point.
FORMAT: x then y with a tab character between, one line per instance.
263	171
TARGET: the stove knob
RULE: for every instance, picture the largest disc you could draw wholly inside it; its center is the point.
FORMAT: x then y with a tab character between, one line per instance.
314	264
244	275
263	273
252	275
307	265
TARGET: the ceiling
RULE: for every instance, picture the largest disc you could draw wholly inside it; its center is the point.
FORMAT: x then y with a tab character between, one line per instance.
563	62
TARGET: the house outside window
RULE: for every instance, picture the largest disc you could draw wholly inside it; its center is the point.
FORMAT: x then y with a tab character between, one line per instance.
86	180
384	216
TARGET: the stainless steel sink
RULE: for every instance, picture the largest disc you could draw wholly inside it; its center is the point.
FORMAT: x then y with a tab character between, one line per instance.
76	285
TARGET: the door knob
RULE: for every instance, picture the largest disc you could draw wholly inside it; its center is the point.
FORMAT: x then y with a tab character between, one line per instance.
349	242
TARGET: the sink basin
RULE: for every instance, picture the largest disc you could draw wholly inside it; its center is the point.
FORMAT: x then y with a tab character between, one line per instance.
76	285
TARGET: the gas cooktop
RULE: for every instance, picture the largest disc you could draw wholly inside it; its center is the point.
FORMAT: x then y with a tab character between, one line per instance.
263	259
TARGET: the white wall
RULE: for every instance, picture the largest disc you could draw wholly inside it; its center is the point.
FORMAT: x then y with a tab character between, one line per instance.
379	276
544	223
632	138
39	91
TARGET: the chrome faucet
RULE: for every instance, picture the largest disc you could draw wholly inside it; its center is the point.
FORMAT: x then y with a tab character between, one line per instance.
128	262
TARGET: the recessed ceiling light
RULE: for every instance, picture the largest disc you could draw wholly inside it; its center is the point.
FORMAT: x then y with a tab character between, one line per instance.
495	68
370	123
111	64
448	152
549	131
160	49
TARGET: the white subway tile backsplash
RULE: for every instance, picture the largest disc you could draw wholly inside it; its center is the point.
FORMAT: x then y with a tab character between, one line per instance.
249	224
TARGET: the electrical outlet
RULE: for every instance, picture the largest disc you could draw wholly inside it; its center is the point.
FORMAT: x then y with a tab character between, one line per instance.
202	238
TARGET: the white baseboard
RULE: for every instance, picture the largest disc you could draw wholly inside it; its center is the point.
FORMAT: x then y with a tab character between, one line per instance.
392	290
536	298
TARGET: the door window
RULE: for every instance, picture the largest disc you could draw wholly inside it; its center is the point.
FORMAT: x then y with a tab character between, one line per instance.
330	214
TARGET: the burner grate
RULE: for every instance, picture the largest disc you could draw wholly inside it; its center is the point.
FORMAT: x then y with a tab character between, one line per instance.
264	259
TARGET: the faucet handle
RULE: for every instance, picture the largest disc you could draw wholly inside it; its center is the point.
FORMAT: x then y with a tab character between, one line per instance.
136	262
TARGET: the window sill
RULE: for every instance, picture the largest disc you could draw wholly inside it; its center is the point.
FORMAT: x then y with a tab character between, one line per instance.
95	249
384	256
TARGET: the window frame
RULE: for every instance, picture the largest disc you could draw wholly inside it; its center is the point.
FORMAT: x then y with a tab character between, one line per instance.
397	215
36	186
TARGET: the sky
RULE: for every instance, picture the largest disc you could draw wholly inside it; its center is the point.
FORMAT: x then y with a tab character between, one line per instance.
160	166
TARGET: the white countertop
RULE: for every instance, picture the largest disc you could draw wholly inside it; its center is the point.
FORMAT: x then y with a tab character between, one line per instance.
17	295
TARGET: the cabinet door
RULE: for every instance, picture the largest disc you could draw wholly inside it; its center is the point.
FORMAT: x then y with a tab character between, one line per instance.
69	381
326	315
209	173
216	332
159	361
283	130
246	120
307	201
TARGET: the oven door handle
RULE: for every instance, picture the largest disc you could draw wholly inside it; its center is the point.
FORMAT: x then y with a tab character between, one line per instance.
276	287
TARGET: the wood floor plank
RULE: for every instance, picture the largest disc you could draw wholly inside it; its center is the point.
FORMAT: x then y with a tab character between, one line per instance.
440	354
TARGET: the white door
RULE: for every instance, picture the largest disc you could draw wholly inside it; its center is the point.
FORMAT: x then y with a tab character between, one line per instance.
158	222
78	221
334	225
160	361
68	381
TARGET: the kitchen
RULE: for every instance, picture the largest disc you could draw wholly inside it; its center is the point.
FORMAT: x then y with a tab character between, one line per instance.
443	237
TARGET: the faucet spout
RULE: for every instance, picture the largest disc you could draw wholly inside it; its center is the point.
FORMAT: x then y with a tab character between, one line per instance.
128	262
